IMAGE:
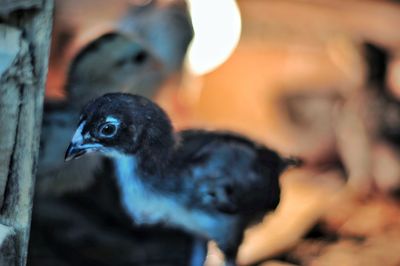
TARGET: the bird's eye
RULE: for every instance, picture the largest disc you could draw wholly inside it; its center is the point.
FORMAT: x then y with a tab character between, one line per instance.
139	58
107	130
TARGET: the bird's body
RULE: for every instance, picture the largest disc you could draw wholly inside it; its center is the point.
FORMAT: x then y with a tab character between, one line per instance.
206	169
211	184
153	205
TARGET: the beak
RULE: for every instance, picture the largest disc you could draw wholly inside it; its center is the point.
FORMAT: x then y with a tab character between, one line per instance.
80	145
74	151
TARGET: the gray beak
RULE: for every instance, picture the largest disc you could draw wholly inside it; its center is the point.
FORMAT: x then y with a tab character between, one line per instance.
73	152
80	145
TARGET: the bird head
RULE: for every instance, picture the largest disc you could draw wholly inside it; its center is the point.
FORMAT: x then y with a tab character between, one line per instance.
165	27
122	124
113	62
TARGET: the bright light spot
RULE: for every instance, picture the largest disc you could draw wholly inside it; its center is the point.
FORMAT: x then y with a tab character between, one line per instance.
217	27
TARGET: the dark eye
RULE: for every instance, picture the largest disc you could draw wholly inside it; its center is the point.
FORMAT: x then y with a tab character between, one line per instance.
107	130
139	58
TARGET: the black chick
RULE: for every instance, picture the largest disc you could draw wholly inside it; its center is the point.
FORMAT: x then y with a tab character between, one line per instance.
211	184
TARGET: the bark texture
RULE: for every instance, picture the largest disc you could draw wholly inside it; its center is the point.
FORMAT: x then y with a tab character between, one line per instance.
25	28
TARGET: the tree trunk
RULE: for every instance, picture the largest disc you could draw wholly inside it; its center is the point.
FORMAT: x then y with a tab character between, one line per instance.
25	27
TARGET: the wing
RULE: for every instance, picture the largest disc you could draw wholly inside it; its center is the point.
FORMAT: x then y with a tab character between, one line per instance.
230	173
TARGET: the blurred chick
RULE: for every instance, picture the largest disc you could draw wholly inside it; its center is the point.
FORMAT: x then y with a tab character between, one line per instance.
113	62
164	26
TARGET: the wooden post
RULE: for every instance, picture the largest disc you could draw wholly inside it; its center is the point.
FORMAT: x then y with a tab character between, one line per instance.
25	27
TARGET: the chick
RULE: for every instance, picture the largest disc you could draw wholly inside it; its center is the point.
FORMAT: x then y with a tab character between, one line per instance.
210	184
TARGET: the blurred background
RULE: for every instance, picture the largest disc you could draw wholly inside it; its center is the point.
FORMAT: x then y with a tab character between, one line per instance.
315	79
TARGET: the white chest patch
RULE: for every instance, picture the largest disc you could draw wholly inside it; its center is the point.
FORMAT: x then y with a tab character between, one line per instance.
147	207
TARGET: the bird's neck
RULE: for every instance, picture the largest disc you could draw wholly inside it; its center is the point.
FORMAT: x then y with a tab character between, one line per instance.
125	167
154	157
137	173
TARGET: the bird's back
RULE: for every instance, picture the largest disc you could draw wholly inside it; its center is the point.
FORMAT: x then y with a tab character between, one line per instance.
229	172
